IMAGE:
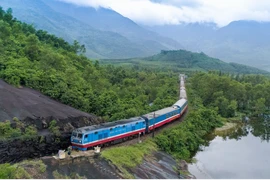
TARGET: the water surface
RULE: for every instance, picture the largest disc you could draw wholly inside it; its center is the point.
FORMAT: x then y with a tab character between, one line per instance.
242	152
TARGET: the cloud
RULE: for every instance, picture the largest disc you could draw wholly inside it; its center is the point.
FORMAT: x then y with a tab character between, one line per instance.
159	12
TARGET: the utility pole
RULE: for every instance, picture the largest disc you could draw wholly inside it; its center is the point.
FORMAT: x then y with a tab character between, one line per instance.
153	135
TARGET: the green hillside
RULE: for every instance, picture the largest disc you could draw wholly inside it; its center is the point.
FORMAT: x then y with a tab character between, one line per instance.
182	60
49	64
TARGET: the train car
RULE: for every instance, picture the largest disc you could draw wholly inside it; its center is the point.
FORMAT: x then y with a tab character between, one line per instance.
106	133
161	117
182	84
182	78
183	94
182	104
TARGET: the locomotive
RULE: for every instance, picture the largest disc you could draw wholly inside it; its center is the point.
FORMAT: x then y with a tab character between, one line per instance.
105	134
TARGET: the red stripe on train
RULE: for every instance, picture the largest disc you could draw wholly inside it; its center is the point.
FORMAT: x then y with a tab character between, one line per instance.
164	122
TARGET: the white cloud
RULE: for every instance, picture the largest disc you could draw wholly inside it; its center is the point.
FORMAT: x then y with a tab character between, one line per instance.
158	12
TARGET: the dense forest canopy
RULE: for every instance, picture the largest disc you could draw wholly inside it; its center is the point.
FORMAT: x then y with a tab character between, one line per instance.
41	61
229	94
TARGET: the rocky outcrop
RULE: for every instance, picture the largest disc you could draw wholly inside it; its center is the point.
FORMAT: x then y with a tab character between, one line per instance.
160	165
19	149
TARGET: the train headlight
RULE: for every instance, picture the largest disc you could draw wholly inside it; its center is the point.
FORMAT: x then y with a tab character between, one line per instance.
80	141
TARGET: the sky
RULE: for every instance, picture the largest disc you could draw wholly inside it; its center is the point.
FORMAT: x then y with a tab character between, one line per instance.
163	12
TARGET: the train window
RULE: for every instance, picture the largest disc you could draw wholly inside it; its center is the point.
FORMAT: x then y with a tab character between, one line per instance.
80	136
124	126
136	122
96	132
143	122
111	129
86	136
74	134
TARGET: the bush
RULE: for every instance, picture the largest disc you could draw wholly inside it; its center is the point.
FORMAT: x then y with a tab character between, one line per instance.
54	128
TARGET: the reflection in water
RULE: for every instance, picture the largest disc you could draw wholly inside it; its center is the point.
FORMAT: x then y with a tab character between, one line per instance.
261	128
241	152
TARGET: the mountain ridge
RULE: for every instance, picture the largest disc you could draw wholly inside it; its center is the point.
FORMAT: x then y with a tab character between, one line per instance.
245	42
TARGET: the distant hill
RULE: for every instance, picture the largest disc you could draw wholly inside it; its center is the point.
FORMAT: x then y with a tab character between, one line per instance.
182	60
244	42
78	23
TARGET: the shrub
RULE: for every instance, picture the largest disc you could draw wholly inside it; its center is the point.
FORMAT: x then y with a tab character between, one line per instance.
54	128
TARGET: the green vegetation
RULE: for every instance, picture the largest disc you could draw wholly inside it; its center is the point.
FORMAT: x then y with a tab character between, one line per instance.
54	128
185	61
22	170
17	130
129	156
57	175
231	95
36	59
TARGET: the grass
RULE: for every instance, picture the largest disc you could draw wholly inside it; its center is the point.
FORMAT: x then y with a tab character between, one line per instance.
129	156
38	164
23	170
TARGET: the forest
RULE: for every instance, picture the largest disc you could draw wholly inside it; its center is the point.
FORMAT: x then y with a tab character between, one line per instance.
36	59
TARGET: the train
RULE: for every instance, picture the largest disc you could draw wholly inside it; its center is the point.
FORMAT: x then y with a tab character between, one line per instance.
105	134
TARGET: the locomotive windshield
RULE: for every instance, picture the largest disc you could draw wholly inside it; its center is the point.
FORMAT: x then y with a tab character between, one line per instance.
80	136
74	134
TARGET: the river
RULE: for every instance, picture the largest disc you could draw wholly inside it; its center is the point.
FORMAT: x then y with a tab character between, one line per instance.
241	152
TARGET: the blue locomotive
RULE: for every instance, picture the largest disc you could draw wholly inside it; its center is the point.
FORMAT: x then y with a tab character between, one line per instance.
106	133
112	132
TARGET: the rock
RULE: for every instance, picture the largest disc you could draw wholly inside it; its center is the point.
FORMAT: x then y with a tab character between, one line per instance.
183	165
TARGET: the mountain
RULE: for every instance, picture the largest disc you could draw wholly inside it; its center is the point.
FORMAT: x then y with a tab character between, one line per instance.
109	20
245	42
99	42
182	60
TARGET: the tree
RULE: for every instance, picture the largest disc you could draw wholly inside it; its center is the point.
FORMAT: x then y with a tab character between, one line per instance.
32	47
260	106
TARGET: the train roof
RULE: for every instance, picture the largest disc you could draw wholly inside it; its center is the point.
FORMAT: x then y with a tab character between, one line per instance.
159	112
108	124
180	102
